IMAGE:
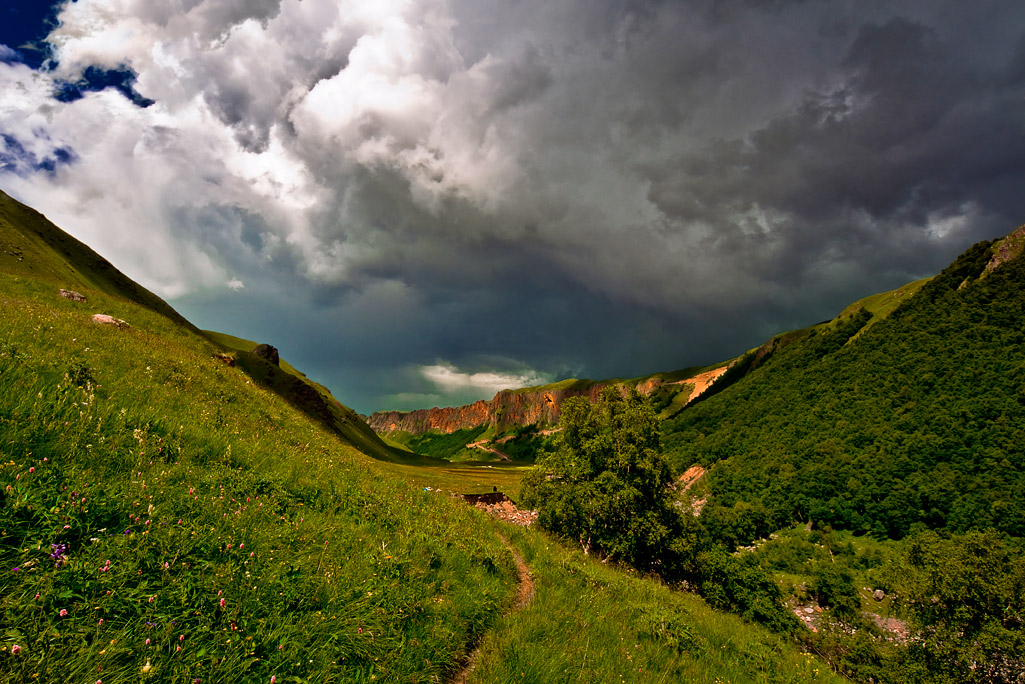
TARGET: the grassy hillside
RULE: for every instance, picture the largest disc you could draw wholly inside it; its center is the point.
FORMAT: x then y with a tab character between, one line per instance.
32	246
914	422
313	399
200	512
167	517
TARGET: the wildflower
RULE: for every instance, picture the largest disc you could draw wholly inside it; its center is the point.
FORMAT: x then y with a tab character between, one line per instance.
32	470
63	613
15	649
272	678
37	597
147	642
181	637
147	667
101	621
222	603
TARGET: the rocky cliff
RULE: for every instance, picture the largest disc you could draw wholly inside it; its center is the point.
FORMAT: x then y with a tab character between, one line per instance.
506	408
520	407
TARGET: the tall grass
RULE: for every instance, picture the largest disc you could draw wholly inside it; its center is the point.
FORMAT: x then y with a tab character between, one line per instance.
590	622
212	532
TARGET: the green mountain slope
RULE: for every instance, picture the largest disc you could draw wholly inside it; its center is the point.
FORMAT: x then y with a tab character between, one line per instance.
32	246
915	421
315	400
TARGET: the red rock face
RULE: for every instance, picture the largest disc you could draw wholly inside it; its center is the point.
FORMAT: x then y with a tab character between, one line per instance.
507	408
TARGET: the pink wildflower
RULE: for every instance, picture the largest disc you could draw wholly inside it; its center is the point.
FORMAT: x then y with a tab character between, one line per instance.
181	637
15	649
147	642
222	603
63	613
32	469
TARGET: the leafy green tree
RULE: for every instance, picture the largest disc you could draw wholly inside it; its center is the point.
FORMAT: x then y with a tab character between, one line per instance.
608	487
966	596
833	585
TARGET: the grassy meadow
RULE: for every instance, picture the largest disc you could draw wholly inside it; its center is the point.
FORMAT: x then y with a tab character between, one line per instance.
209	530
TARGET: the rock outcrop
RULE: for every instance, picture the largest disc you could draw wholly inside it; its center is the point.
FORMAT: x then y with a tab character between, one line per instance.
267	353
519	407
506	408
104	319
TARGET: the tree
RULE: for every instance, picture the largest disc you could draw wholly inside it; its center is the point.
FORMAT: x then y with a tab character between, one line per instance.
608	486
966	596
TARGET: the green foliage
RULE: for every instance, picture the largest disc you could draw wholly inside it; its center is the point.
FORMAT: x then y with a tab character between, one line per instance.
728	584
966	595
915	422
833	586
608	486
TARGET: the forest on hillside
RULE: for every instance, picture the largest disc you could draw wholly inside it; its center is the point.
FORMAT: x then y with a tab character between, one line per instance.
918	422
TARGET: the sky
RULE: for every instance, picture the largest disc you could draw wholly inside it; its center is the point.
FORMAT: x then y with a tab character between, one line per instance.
421	202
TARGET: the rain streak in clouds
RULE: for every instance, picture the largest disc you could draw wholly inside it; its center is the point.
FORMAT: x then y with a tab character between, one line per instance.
421	200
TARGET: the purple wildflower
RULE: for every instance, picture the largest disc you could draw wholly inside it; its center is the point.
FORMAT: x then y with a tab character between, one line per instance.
59	555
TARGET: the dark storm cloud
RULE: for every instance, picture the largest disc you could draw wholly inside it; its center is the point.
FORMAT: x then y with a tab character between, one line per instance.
416	200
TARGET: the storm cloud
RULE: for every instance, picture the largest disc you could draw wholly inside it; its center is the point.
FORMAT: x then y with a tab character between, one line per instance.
418	199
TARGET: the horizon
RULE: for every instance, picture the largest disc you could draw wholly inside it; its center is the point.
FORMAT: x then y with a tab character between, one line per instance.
423	202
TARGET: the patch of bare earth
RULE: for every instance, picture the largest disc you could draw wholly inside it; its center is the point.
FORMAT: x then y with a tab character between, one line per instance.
524	593
687	480
703	381
485	445
506	510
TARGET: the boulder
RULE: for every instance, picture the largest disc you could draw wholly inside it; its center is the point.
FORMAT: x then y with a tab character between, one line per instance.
72	295
267	353
104	319
878	594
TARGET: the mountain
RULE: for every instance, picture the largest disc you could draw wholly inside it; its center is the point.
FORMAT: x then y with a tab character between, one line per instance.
312	398
515	414
884	425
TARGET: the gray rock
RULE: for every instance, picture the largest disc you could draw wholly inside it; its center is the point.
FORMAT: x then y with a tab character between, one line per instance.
878	594
72	295
104	319
267	352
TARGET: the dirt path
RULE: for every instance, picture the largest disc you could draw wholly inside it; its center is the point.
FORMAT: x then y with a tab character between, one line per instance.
485	445
524	593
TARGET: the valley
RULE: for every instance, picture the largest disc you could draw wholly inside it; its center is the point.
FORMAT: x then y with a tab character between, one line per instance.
184	505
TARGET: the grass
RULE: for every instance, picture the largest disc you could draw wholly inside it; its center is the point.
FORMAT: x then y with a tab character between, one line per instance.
315	400
205	515
610	625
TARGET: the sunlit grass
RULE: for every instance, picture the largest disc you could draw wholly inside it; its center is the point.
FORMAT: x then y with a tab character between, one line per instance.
212	531
589	622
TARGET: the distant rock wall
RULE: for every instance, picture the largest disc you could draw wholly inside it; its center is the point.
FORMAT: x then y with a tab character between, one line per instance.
518	408
506	408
